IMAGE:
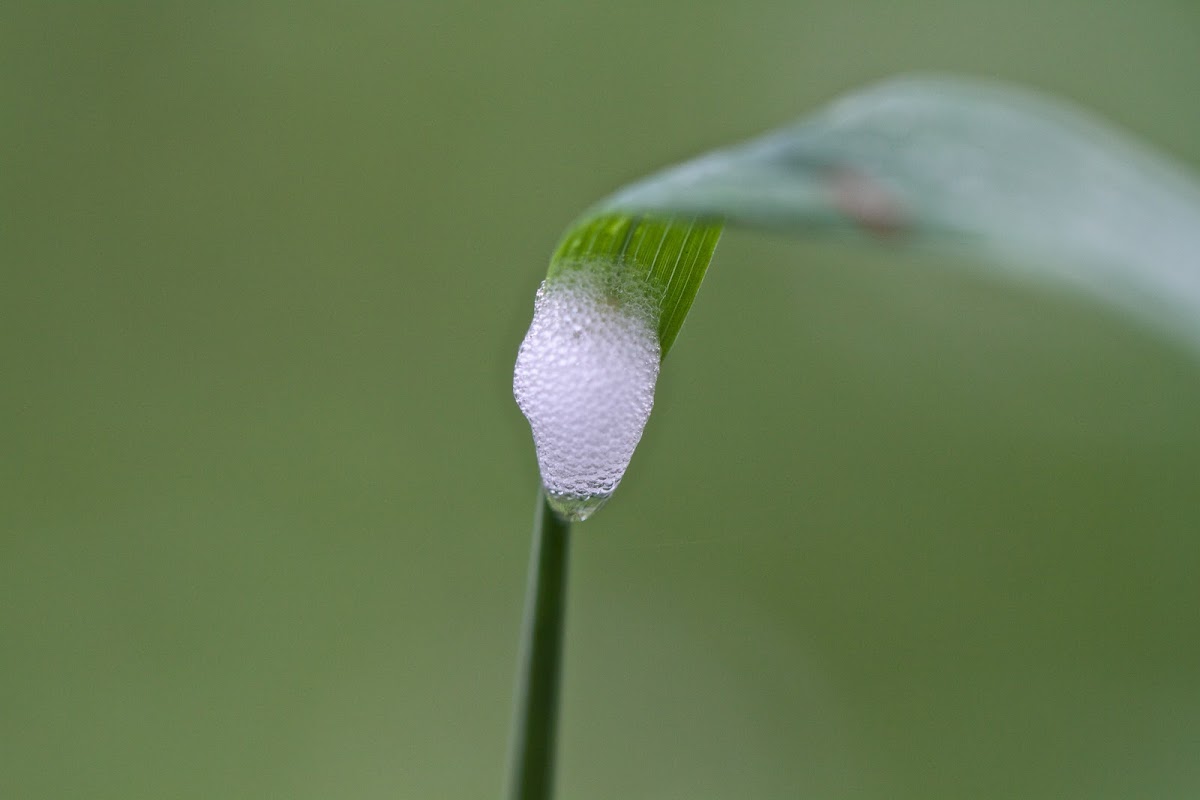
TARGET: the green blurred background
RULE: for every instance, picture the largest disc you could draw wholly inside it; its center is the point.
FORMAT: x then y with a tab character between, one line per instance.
894	531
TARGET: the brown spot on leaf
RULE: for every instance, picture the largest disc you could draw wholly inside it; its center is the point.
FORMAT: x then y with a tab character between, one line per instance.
866	202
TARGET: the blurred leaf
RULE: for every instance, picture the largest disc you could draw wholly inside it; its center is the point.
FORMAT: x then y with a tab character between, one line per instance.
1017	180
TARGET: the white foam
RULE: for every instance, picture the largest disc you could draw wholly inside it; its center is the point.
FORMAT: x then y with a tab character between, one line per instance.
585	380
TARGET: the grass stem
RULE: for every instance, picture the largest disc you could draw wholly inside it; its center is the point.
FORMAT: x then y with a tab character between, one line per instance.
535	722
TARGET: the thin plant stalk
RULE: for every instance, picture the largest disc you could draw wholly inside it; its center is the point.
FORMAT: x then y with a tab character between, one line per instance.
539	671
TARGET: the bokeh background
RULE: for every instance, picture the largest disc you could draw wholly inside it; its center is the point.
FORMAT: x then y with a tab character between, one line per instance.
895	530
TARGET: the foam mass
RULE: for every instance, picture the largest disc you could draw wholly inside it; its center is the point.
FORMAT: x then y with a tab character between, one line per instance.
585	380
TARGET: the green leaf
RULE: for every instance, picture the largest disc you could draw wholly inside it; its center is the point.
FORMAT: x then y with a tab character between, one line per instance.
1005	177
1026	184
669	256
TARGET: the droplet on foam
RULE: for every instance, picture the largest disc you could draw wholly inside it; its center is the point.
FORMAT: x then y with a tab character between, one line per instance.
585	380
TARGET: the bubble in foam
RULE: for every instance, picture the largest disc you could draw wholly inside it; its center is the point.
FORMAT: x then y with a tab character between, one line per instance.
585	379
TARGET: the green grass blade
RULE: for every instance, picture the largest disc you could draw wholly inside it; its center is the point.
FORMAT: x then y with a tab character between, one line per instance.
1006	177
1029	185
539	672
669	256
1025	184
